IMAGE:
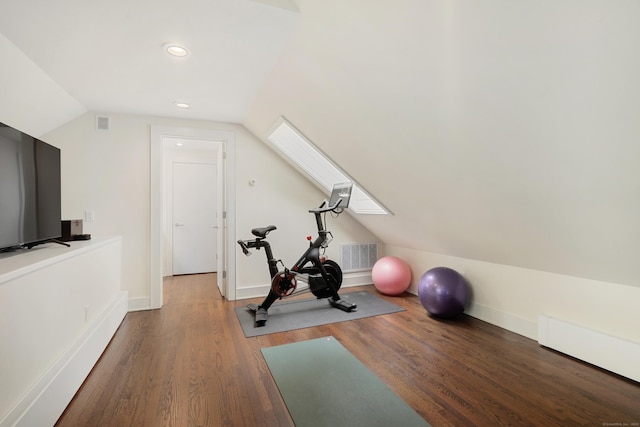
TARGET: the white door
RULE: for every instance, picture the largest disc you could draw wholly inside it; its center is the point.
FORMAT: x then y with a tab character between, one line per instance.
194	218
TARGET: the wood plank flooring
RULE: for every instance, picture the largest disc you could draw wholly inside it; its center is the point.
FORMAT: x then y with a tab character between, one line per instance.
189	364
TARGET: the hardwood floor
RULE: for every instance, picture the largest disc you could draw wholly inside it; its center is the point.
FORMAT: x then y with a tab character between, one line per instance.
189	364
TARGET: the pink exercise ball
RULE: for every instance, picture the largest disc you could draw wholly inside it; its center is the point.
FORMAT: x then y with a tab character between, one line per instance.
391	275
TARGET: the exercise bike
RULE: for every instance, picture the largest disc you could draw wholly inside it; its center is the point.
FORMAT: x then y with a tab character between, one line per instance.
323	276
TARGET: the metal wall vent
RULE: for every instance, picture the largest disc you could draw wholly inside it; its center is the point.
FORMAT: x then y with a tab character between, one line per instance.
103	123
358	256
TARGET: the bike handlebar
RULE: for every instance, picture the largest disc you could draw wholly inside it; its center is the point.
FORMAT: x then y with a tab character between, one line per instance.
320	209
244	247
261	233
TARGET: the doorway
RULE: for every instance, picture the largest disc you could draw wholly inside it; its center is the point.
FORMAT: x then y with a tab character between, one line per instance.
221	147
193	218
192	207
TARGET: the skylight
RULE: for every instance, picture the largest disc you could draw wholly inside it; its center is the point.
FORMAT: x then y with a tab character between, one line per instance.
302	153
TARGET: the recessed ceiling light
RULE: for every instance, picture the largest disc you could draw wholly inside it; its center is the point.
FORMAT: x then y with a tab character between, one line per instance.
176	50
181	104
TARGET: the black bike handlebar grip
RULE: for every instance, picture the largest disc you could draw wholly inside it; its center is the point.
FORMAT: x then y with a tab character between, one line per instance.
244	247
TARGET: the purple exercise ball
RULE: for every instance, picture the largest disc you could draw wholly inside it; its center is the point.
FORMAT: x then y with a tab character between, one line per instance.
444	292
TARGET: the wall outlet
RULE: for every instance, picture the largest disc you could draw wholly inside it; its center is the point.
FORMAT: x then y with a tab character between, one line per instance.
89	215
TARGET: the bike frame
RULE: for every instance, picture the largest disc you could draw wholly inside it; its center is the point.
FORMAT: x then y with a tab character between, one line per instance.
311	256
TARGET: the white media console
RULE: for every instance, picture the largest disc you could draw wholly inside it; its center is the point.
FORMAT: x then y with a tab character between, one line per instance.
59	308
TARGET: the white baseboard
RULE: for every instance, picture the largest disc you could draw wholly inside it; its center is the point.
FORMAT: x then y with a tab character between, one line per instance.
611	353
45	402
605	351
348	280
139	304
504	320
358	278
252	291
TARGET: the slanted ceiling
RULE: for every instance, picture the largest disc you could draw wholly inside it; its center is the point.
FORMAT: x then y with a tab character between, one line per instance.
495	130
500	131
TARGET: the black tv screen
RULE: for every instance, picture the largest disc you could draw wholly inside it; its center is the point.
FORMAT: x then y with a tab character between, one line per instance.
30	206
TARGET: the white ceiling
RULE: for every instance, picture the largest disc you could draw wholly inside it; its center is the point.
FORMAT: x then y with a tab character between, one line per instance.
108	55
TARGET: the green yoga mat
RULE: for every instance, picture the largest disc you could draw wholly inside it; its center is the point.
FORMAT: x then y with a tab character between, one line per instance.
323	384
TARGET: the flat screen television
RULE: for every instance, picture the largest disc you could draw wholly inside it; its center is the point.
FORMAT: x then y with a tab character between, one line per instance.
30	195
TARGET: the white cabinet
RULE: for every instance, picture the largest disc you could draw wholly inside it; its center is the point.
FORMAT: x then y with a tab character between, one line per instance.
59	308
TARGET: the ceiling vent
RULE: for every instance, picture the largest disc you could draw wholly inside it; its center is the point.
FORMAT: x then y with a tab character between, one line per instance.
103	123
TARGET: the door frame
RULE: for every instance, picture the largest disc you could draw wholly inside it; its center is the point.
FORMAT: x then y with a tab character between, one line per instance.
228	232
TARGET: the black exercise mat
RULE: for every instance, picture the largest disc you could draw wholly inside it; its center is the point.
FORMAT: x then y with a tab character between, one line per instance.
298	314
323	384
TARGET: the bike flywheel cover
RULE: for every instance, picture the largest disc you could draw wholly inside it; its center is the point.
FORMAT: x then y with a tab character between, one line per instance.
283	284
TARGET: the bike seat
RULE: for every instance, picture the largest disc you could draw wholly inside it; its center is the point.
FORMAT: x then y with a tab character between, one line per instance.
263	231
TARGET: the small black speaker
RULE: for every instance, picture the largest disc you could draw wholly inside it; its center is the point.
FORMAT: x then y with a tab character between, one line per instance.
70	229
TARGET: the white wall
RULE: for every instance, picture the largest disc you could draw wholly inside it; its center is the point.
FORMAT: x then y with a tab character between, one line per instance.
510	127
31	101
108	172
514	298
